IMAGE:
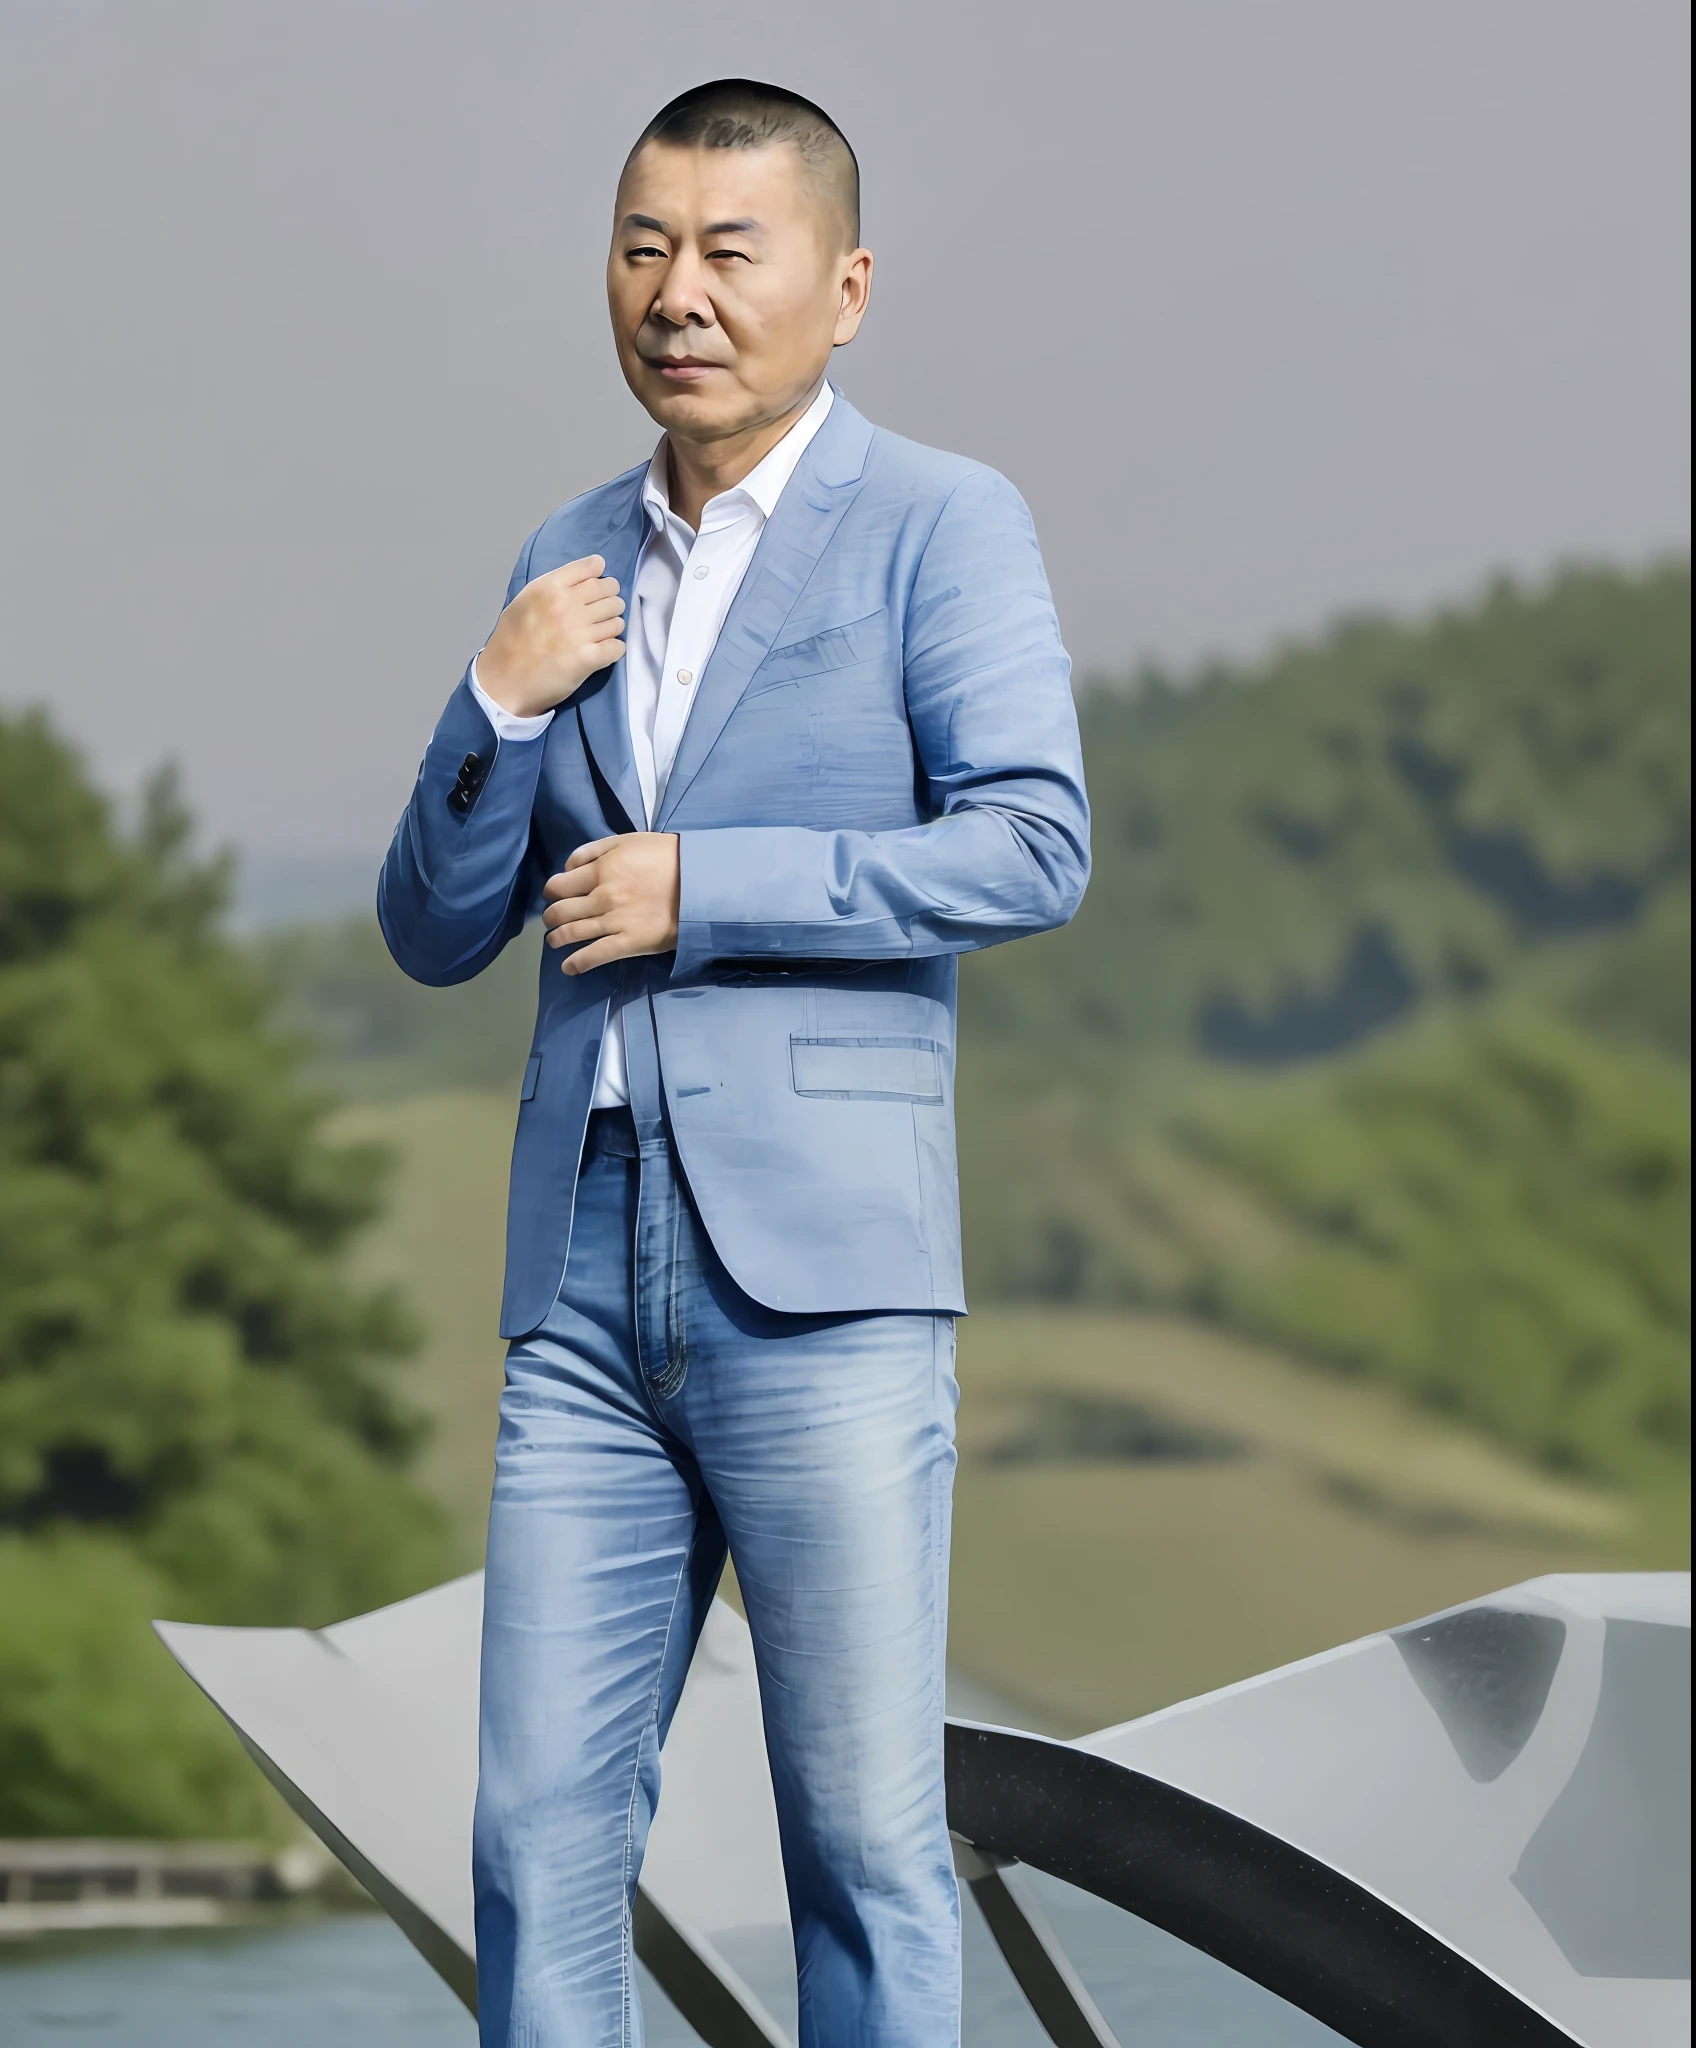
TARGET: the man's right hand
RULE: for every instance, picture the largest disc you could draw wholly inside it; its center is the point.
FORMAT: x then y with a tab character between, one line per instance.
553	636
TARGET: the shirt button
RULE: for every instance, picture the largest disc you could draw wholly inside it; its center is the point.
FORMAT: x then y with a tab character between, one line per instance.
699	573
685	677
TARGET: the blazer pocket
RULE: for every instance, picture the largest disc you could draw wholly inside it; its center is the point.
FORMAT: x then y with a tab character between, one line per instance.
834	647
867	1069
532	1072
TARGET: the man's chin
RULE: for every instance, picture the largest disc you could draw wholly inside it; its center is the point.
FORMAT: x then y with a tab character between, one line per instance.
694	411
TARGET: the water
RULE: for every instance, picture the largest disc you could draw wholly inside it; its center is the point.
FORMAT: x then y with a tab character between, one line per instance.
353	1981
1154	1991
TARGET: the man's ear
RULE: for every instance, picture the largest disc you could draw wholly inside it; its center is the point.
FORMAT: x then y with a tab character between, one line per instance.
856	293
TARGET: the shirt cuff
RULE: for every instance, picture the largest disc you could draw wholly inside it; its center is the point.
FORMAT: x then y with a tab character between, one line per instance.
507	724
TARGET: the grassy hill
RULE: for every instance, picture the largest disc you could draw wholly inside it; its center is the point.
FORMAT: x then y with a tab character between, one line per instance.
1487	1210
1374	1026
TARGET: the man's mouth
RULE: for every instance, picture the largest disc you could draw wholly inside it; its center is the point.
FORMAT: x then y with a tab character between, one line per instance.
681	369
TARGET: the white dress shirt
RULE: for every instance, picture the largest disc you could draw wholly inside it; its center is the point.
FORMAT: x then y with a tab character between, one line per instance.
683	588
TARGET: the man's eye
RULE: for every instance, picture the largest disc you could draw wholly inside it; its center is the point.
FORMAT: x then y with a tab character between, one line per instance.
645	251
741	255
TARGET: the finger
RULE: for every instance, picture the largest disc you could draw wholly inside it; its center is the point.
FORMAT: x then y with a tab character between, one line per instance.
574	880
589	926
573	910
604	608
569	882
604	653
578	572
591	849
570	931
615	947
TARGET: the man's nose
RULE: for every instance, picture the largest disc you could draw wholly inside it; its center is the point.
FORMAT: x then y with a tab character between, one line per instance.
682	299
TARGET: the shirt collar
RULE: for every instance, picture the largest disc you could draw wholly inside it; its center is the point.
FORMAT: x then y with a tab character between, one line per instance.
762	486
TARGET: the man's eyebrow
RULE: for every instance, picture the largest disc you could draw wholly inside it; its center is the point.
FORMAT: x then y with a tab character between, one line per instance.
718	227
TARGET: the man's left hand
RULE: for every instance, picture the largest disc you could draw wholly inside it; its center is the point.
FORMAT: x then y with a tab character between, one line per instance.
615	898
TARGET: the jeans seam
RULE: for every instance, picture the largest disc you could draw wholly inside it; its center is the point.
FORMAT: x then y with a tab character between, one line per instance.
636	1780
675	1369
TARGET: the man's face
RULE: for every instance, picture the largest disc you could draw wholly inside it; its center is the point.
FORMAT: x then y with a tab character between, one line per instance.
728	285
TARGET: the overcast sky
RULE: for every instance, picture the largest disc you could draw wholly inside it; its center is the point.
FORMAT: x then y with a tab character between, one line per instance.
1271	308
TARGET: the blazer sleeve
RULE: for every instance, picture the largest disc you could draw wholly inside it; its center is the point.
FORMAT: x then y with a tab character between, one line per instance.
462	875
990	703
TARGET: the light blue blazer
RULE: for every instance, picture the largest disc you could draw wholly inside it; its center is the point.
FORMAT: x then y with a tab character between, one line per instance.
881	770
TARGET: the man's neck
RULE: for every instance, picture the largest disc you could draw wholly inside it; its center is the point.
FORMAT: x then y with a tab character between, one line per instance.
697	471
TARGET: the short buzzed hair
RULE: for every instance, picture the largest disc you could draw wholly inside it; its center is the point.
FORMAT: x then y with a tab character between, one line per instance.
741	113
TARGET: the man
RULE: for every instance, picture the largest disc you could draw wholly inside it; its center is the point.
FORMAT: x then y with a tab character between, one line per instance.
772	727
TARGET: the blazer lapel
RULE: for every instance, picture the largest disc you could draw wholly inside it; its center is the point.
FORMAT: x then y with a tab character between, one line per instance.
796	534
603	705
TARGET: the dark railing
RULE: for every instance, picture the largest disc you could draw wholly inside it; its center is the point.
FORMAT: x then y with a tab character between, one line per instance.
1255	1903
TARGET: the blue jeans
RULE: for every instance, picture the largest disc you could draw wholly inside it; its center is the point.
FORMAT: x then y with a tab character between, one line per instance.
658	1413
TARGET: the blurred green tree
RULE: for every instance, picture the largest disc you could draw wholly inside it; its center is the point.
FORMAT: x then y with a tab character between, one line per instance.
197	1413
